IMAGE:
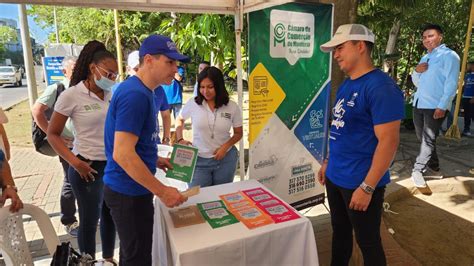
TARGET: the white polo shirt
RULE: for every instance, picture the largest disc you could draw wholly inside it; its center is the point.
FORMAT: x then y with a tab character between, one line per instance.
205	122
87	113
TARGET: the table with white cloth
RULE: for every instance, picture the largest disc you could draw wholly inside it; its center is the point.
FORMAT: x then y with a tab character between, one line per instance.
286	243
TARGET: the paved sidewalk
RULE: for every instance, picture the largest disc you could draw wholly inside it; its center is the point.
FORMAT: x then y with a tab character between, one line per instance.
39	180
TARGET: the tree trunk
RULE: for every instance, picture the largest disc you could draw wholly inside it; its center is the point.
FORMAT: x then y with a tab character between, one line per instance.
391	44
345	12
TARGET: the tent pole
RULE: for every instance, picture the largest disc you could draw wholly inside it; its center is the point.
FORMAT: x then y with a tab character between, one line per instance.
118	45
27	55
238	63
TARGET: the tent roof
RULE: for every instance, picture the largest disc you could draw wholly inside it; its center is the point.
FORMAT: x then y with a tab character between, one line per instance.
182	6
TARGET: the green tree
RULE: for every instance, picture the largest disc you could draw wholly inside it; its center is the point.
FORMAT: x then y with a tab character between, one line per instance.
451	15
202	36
7	34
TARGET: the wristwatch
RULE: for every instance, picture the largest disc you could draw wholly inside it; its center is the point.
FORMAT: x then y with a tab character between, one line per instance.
165	139
9	186
366	188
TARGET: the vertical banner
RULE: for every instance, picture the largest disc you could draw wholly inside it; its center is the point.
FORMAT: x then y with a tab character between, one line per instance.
289	89
53	69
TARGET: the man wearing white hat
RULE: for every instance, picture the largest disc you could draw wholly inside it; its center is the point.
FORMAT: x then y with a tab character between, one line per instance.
364	137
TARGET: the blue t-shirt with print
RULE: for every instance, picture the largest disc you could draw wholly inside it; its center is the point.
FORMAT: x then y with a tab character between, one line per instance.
133	110
160	98
361	104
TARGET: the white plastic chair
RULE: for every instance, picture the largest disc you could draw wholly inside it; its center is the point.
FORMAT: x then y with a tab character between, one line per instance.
165	151
13	244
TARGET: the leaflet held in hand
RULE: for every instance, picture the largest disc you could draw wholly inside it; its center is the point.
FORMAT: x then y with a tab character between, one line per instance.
183	159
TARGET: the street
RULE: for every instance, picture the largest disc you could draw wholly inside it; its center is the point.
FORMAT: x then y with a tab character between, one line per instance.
10	95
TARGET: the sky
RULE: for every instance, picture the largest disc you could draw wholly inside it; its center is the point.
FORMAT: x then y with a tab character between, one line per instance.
11	11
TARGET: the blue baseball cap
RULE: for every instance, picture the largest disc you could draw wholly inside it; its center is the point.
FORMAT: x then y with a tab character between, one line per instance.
159	44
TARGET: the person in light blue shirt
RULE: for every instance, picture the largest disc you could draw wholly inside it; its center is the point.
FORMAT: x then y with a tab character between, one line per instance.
174	92
436	79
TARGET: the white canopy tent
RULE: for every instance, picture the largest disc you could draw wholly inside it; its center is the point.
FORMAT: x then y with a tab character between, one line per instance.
235	7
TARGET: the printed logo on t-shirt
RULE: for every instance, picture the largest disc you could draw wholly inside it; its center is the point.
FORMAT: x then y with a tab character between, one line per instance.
156	135
351	102
92	107
338	113
226	115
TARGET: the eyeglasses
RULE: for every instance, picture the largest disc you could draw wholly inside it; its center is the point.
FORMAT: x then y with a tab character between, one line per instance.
109	75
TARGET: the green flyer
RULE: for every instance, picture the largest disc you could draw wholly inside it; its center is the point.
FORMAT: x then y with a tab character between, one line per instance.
183	159
216	214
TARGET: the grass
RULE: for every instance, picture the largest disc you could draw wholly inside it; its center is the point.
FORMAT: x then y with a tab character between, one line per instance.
18	127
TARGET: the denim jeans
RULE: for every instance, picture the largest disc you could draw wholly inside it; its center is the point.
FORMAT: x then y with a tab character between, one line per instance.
90	197
175	109
427	130
133	216
366	226
67	200
468	114
211	172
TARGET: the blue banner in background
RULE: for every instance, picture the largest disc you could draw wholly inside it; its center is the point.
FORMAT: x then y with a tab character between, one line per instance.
53	69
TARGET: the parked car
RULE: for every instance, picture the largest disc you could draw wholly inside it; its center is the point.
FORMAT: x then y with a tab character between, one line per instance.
10	75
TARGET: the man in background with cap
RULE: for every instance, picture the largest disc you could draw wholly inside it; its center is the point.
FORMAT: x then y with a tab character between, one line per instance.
161	103
364	137
131	138
436	79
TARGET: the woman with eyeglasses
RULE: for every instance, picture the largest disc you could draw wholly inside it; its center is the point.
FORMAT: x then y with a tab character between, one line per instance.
86	102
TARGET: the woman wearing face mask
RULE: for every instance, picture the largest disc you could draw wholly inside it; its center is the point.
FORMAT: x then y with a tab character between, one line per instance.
86	102
212	115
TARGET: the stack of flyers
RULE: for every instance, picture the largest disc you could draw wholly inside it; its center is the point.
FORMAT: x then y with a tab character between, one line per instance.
216	214
258	194
236	200
252	217
233	198
245	210
186	216
278	210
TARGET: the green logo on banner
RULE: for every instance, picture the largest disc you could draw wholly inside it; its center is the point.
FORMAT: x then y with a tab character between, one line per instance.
279	34
292	34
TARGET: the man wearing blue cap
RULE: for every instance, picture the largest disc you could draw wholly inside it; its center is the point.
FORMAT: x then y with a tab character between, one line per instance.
131	138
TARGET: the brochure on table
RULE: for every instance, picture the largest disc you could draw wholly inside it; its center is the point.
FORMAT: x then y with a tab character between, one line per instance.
253	207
